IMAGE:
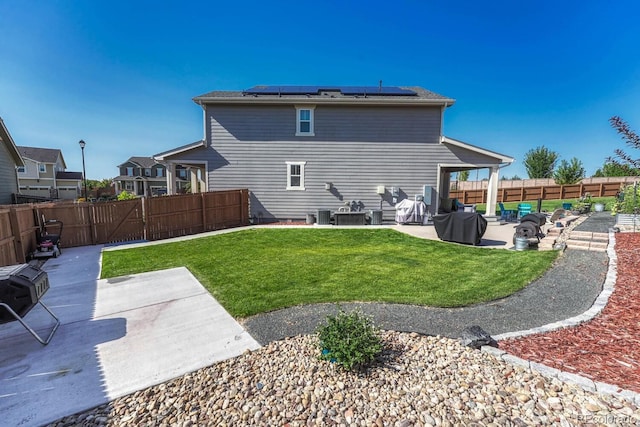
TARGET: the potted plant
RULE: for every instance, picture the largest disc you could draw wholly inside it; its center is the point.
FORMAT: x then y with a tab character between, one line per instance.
627	206
583	204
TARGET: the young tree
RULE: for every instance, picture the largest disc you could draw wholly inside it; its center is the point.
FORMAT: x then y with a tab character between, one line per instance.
569	172
616	169
463	176
540	162
631	138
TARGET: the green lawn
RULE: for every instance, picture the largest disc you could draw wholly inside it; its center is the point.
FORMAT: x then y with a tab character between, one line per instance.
259	270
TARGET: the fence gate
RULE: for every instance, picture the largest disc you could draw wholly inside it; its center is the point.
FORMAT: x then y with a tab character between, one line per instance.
121	221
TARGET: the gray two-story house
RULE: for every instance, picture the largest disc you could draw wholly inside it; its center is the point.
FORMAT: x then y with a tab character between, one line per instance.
301	148
144	176
10	159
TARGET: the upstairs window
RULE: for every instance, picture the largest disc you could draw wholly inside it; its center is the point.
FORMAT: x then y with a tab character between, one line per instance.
295	175
304	121
147	172
21	169
129	171
42	167
159	173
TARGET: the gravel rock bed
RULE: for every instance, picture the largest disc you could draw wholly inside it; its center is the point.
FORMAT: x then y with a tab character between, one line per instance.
417	380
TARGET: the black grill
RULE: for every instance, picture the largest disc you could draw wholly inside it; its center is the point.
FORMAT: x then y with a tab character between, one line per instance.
21	287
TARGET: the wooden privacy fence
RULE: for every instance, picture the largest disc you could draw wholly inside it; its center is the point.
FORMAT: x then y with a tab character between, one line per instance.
544	192
122	221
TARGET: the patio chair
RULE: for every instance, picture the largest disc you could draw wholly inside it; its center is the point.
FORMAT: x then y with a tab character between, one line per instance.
523	209
506	214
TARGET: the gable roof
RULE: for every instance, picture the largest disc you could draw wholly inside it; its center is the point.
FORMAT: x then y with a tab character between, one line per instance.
143	162
162	156
6	139
41	155
501	157
383	95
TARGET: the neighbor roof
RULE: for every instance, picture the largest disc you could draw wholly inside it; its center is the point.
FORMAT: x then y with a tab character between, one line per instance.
41	155
327	94
143	162
5	137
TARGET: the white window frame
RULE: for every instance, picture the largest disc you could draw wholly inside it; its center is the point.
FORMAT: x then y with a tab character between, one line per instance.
21	169
301	186
42	167
159	173
147	172
311	109
129	171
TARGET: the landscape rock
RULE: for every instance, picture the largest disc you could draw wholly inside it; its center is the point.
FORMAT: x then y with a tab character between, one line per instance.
418	380
476	337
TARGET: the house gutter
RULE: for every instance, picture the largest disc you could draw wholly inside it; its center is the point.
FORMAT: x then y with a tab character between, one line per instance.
327	101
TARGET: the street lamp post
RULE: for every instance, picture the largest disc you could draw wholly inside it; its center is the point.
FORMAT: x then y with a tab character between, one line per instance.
84	172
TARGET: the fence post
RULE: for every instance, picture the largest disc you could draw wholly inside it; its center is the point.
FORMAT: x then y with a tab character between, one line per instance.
144	207
244	206
92	223
203	212
17	236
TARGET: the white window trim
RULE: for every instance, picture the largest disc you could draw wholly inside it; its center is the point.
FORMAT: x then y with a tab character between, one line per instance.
21	169
301	187
42	167
311	108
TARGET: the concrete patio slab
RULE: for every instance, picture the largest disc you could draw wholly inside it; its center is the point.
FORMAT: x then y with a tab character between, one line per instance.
117	336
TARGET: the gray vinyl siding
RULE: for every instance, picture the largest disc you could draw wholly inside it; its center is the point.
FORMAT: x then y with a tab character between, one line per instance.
355	149
8	180
332	124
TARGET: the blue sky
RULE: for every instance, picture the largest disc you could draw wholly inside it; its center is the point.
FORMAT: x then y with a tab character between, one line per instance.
121	74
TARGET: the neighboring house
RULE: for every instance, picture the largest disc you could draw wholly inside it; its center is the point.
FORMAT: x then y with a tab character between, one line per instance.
44	174
301	148
10	159
143	176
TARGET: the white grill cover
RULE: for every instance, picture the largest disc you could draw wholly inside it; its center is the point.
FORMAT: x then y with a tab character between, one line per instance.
410	211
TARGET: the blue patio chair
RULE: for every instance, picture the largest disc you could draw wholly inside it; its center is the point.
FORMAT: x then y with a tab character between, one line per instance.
506	214
523	209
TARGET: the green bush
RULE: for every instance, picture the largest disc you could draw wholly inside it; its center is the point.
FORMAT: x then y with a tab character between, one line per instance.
125	195
629	202
349	339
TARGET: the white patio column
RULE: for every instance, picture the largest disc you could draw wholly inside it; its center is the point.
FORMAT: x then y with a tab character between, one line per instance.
201	180
193	175
492	191
171	178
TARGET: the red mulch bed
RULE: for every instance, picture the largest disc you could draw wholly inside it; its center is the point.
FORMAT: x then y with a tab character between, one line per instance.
607	348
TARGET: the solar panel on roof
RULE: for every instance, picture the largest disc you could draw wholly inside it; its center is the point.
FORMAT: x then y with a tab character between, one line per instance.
316	90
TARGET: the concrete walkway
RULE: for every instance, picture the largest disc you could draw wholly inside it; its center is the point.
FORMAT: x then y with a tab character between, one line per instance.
117	336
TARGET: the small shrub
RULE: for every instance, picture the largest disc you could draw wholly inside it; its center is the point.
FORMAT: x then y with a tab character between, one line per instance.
349	339
125	195
628	202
